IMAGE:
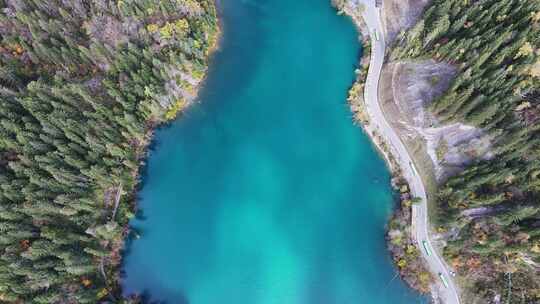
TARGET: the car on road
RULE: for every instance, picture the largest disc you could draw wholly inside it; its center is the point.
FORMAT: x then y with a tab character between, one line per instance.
426	248
412	168
376	35
443	279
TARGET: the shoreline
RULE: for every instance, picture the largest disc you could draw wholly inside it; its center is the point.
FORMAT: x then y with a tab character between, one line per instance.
142	152
403	210
355	97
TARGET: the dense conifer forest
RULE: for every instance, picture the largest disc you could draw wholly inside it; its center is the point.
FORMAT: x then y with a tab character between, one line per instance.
82	85
495	44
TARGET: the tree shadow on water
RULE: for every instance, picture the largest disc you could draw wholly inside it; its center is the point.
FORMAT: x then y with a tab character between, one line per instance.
151	290
178	298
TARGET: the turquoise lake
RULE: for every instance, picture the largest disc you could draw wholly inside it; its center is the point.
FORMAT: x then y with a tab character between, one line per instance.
265	192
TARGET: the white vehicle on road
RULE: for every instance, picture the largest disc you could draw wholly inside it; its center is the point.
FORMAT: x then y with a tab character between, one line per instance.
449	293
376	35
426	248
443	279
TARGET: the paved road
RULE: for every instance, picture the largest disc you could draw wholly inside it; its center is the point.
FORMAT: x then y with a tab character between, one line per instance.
378	123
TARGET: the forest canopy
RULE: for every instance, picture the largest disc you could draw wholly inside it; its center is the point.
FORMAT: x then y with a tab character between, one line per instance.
82	85
495	44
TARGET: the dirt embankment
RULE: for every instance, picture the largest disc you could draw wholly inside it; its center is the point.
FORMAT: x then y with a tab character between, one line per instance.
407	90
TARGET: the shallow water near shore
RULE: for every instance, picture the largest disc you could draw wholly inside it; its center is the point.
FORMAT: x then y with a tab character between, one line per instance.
265	192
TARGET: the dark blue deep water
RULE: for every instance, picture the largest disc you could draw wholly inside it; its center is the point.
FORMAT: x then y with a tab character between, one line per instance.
265	192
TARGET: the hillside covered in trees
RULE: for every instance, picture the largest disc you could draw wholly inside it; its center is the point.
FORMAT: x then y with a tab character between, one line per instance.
82	85
495	44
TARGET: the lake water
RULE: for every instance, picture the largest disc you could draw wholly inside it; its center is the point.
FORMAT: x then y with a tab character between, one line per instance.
265	192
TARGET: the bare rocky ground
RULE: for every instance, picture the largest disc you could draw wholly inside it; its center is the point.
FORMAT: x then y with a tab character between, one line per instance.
407	90
399	15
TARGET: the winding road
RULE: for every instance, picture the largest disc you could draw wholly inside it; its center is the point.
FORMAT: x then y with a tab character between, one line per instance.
379	125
